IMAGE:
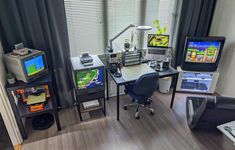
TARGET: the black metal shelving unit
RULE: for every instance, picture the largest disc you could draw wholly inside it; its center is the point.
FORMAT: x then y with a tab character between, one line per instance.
21	110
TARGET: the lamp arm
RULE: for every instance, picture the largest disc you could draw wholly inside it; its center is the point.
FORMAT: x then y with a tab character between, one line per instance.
111	40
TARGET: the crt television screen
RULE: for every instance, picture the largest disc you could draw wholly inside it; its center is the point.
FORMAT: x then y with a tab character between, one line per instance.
202	51
155	40
34	65
90	78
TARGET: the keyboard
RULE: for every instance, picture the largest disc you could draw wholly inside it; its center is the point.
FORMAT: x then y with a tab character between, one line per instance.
193	85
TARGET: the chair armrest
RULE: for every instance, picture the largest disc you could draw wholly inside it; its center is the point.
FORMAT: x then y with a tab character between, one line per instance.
225	102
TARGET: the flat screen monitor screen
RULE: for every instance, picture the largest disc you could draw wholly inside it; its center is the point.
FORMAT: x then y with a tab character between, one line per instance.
34	65
155	40
90	78
202	51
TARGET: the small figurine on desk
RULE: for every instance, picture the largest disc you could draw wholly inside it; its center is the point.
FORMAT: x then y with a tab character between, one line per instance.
166	63
159	65
119	67
152	64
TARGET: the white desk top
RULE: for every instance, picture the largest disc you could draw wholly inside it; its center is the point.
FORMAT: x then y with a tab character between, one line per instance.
134	72
232	126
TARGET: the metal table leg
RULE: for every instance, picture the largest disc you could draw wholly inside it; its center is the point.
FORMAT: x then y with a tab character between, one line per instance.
117	102
57	119
79	112
107	85
174	89
104	107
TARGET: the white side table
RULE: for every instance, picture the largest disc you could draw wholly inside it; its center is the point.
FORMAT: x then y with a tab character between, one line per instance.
230	126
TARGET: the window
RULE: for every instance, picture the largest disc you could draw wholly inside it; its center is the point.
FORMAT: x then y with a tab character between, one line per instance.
87	29
121	13
162	10
85	26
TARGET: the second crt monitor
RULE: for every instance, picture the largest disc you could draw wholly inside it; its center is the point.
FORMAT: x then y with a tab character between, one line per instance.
88	79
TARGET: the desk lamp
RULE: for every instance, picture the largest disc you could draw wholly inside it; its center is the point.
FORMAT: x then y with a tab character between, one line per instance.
140	28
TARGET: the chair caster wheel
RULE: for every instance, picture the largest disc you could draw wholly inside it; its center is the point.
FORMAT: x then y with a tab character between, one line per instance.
151	112
137	116
125	107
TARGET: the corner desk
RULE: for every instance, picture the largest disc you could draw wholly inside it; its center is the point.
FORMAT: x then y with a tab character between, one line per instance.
121	81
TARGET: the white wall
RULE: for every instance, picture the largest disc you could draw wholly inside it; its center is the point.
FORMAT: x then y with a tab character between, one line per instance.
5	108
223	25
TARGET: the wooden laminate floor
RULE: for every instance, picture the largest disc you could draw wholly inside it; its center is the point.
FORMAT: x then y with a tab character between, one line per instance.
166	130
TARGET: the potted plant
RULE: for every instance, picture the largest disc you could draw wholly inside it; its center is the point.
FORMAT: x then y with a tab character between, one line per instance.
160	30
11	78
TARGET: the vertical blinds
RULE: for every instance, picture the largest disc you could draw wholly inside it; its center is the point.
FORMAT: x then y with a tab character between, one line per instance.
85	26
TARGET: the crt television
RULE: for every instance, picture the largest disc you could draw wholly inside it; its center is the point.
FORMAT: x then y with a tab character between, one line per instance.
88	79
158	41
27	67
202	53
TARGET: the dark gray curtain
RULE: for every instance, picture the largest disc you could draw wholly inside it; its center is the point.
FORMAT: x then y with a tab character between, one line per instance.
195	20
40	24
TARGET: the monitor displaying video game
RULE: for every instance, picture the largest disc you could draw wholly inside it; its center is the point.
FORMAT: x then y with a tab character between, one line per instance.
202	51
155	40
90	78
34	65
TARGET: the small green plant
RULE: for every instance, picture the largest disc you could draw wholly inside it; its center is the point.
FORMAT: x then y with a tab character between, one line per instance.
160	30
10	75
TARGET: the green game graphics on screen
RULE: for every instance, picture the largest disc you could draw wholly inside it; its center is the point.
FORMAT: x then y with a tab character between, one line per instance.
86	79
34	65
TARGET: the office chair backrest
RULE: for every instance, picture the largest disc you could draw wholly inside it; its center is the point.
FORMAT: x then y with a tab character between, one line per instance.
146	84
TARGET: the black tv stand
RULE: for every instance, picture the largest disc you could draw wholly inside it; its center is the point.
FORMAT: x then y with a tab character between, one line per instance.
88	94
100	95
21	110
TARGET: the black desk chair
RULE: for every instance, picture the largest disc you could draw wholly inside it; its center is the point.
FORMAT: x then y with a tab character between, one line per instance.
141	92
209	112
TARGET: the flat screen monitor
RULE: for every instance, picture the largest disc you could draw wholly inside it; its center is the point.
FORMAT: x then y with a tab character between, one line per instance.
34	65
89	78
158	41
202	53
